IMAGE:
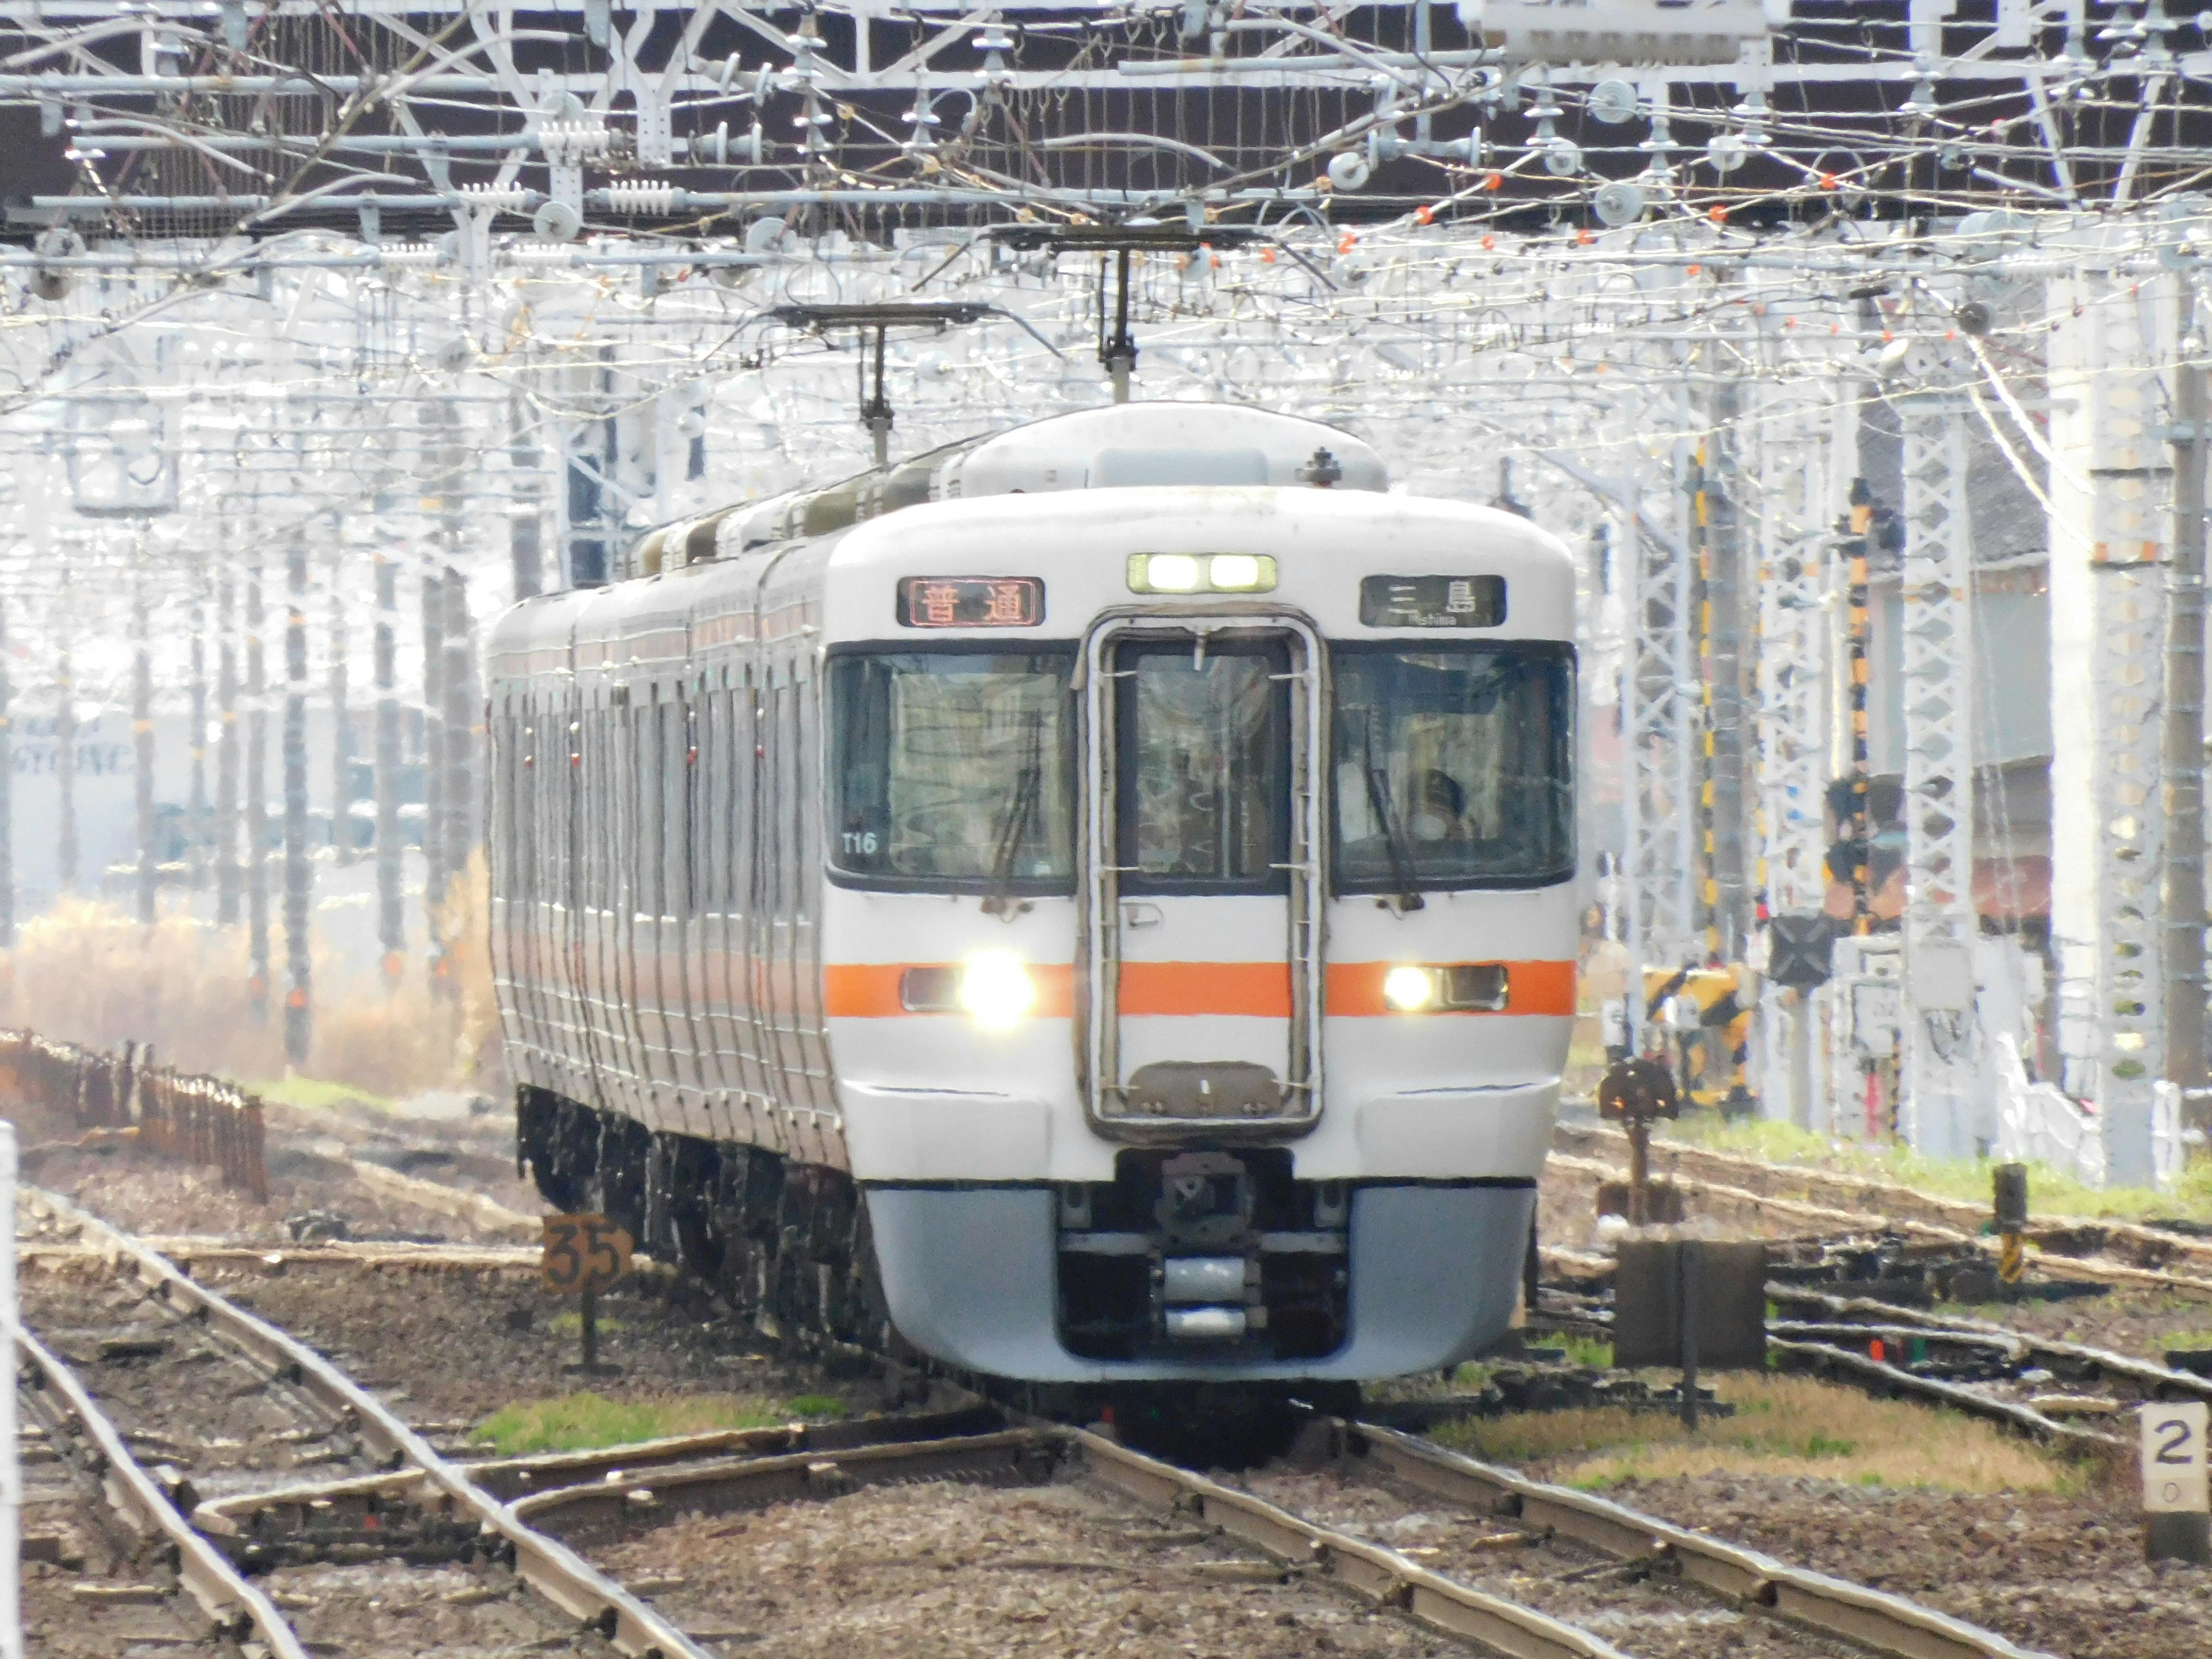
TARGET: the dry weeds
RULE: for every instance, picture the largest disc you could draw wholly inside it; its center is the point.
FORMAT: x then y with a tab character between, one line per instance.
1782	1425
90	972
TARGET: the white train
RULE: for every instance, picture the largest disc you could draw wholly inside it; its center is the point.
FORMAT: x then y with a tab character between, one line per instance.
1098	899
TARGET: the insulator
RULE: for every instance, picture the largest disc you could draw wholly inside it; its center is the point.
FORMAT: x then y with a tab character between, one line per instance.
496	198
644	195
566	142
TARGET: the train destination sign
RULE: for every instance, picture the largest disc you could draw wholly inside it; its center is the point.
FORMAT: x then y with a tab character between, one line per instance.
1432	601
970	601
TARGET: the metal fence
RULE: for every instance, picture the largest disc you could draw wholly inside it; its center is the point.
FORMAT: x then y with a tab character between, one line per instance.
194	1119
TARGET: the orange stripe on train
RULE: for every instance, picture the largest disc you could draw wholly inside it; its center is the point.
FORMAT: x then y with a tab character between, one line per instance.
1167	990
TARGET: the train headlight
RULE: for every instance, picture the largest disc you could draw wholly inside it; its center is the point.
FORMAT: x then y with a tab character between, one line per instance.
1167	572
1195	573
1233	572
1408	989
997	990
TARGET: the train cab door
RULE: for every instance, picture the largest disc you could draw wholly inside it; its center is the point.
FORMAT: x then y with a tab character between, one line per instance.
1202	981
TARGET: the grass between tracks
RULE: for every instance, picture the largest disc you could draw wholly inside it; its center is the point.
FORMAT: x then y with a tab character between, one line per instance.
1782	1425
318	1094
2050	1192
582	1422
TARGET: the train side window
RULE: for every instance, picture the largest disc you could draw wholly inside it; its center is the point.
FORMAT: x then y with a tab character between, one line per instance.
556	800
526	730
580	801
507	783
675	811
645	852
497	840
706	790
588	838
602	842
745	733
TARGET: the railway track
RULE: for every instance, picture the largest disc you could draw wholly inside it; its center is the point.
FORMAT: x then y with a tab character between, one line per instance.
152	1380
2127	1243
1681	1592
497	1555
2118	1255
1514	1567
2060	1393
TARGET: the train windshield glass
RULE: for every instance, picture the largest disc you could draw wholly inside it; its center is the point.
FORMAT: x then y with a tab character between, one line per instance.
1453	767
953	770
1203	764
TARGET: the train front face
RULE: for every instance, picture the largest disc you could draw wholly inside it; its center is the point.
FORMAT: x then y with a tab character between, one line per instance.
1199	923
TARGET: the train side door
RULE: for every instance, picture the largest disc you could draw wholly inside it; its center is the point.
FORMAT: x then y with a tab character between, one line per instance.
1202	971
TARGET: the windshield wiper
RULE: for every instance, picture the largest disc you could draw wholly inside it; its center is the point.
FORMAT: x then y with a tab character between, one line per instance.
1029	786
1393	833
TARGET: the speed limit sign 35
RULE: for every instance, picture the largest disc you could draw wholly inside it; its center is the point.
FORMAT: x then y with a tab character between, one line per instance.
582	1253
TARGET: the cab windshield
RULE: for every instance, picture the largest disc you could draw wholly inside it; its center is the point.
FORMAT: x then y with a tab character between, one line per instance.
952	771
1454	766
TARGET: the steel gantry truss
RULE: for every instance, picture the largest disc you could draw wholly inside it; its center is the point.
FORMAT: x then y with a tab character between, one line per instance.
1796	466
1940	1105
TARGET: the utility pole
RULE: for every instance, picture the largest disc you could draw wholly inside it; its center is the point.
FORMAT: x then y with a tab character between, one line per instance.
65	772
341	716
390	914
196	817
526	542
434	864
298	1010
142	743
226	752
2183	759
257	798
458	682
1716	607
7	800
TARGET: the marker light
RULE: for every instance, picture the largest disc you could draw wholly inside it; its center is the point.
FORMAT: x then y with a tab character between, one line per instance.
1409	989
997	990
1193	572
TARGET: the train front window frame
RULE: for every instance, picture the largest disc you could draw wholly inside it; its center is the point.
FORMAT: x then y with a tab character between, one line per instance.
952	767
1452	764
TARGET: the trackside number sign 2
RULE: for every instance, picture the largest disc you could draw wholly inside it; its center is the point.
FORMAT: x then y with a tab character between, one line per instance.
582	1253
2173	1457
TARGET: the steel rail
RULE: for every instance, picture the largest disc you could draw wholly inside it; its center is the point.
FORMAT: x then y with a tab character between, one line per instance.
548	1566
1376	1574
1871	1374
1827	1359
2054	1266
369	1256
509	1478
1007	1452
2161	1381
1889	1625
1371	1571
235	1604
1951	1212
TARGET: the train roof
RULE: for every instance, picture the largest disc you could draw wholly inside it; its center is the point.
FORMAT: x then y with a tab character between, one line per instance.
1119	446
1228	447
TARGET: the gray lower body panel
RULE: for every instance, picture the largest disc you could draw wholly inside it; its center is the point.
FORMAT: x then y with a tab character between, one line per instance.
971	1278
